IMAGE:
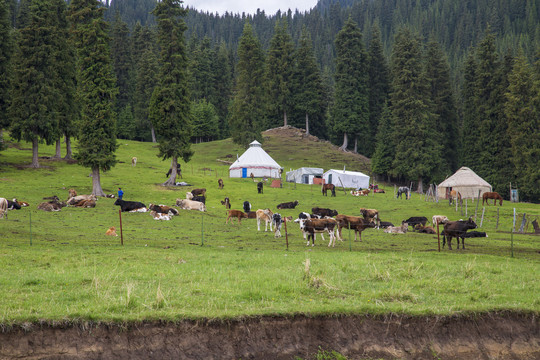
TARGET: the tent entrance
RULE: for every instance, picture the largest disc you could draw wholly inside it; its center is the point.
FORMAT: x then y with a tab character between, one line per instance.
244	172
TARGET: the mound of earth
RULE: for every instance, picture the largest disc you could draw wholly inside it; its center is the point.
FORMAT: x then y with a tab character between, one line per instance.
486	336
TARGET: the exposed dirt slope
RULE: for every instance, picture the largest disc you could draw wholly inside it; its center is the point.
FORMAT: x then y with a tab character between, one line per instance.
487	336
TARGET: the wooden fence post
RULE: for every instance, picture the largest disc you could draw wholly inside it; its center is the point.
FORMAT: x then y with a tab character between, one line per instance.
121	232
477	203
287	235
514	223
482	221
522	224
497	226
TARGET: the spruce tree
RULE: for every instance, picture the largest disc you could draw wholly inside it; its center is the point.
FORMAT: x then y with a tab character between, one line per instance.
222	87
418	151
170	104
35	87
309	92
96	89
350	112
279	73
202	76
247	110
469	127
6	52
381	162
205	121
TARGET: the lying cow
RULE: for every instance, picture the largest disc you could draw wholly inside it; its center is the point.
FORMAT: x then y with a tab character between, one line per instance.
397	229
457	229
288	205
199	198
51	205
86	204
75	199
441	219
235	214
424	229
190	205
357	223
415	220
360	192
371	215
265	215
312	226
130	206
13	205
163	209
160	216
322	212
21	203
385	224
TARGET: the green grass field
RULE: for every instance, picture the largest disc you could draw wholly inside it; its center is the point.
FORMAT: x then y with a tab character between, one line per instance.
62	267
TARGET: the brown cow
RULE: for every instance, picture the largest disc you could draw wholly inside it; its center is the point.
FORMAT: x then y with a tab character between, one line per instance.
371	215
220	184
111	231
236	214
357	223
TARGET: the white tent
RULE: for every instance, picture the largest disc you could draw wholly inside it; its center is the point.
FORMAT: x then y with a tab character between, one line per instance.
348	179
304	175
466	182
255	161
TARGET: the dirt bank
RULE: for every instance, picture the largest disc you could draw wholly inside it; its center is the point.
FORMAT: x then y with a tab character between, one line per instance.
486	336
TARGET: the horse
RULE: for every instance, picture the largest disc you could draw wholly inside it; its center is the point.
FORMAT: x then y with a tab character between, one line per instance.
455	195
403	190
326	187
492	195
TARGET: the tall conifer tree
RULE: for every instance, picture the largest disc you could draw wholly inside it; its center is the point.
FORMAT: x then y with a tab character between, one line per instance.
222	87
469	127
247	110
381	162
170	106
96	89
121	54
6	52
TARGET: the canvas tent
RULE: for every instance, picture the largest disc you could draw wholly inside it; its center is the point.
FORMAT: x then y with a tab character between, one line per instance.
466	182
255	161
348	179
304	175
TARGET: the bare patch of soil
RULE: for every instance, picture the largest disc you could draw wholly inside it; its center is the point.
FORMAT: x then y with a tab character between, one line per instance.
485	336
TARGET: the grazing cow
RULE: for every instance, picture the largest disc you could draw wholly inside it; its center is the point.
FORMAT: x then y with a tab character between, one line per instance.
288	205
265	215
322	212
441	219
364	192
13	205
415	220
403	190
72	193
200	192
163	209
492	195
131	206
190	205
160	216
326	187
3	208
357	223
247	206
76	199
226	202
220	184
371	215
457	229
134	161
277	221
424	229
260	185
235	214
385	224
111	231
312	226
51	205
397	229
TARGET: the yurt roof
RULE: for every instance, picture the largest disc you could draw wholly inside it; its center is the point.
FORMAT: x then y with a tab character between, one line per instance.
464	177
255	156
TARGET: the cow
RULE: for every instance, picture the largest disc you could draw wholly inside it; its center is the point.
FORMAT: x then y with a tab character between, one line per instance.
190	196
3	208
415	220
288	205
403	190
277	221
312	226
326	187
190	205
160	216
111	231
397	229
475	234
371	215
21	203
441	219
86	204
260	185
226	202
235	214
357	223
163	209
457	229
360	192
265	215
13	205
201	192
425	229
51	205
220	184
385	224
72	193
130	206
247	206
134	161
75	199
322	212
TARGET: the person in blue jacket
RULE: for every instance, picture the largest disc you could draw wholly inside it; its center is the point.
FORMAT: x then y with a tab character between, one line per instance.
120	193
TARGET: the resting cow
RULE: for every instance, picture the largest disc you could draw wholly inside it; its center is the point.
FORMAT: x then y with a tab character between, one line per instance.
364	192
457	229
397	229
425	229
13	205
322	212
75	199
190	205
131	206
415	220
441	219
51	205
288	205
160	216
163	209
385	224
86	204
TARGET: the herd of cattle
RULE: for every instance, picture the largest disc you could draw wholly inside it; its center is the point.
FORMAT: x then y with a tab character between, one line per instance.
319	221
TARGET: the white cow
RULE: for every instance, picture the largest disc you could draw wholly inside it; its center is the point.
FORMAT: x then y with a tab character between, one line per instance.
3	208
266	216
190	205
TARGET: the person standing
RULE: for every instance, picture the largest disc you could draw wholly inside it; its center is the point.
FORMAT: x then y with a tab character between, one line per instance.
120	193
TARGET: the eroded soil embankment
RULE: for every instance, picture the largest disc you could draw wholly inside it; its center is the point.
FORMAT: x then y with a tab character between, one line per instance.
486	336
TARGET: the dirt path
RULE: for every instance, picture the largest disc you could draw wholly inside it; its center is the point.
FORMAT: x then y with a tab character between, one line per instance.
486	336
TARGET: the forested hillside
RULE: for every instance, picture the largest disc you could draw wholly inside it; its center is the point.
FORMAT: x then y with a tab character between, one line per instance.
421	87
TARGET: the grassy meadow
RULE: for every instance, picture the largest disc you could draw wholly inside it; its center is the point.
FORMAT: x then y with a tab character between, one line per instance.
62	267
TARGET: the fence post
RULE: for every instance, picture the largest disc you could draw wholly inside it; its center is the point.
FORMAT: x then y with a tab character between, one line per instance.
202	229
121	233
438	236
287	235
514	223
482	221
30	213
497	226
477	203
522	224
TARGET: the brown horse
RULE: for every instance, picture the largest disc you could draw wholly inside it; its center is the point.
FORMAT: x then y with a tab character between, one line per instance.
455	195
492	195
326	187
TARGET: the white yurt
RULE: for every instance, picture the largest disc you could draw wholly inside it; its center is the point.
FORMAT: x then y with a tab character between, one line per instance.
348	179
304	175
466	182
255	161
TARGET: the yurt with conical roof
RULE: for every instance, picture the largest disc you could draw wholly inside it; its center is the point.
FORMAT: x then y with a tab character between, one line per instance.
466	182
255	161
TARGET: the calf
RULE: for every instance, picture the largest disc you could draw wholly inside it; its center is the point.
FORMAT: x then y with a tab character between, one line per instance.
163	209
322	212
134	161
235	214
397	229
75	199
360	192
111	231
160	216
13	205
475	234
265	215
441	219
199	198
51	205
312	226
288	205
190	205
72	193
201	192
356	223
131	206
86	204
226	202
247	206
385	224
3	208
260	187
424	229
22	203
457	229
371	215
277	221
220	184
415	220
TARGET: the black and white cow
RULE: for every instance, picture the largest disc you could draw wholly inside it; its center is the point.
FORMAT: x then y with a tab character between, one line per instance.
131	206
247	206
277	220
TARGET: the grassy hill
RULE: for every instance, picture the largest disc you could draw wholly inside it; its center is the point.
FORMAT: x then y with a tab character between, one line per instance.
62	266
